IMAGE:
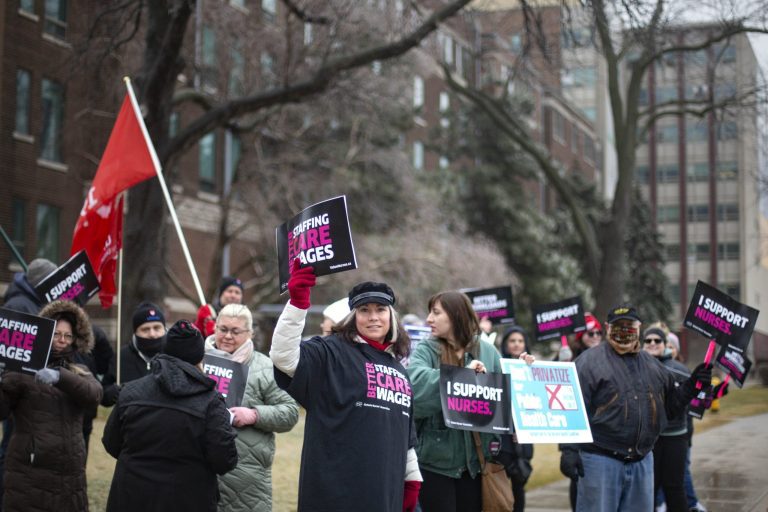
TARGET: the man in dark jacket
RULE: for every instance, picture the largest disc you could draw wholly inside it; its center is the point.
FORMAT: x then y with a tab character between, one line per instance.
146	342
170	433
628	395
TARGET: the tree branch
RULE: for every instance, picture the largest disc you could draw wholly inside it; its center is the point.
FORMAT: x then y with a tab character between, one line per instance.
303	16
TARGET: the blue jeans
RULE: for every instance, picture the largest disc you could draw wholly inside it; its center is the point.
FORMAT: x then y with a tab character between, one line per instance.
610	485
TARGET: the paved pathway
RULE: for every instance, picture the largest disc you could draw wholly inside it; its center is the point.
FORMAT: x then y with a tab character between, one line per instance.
730	470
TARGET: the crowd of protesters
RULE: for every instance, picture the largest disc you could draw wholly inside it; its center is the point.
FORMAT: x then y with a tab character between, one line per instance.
180	447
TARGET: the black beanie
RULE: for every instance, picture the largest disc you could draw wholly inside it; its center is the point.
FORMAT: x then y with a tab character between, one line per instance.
185	342
147	312
228	281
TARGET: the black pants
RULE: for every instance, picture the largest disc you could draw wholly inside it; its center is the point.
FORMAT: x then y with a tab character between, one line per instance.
573	491
669	470
445	494
518	492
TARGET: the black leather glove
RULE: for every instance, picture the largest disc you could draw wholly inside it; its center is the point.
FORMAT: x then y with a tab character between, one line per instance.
702	374
570	463
723	386
111	392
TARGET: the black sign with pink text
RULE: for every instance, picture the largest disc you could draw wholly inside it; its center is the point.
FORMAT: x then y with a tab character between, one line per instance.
319	236
25	341
493	303
558	318
230	377
475	401
721	318
75	280
734	363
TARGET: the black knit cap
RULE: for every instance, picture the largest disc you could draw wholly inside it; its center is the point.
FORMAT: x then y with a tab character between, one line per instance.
185	342
147	312
228	281
367	292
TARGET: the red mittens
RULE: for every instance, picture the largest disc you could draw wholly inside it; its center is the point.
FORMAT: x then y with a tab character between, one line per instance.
300	284
205	321
411	495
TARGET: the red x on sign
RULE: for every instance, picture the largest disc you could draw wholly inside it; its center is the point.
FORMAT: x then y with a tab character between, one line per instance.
554	402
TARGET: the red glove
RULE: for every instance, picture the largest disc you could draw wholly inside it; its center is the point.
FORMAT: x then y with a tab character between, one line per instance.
205	322
300	284
411	495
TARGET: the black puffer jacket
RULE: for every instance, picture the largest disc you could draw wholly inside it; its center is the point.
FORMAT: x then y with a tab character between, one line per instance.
45	462
628	409
171	436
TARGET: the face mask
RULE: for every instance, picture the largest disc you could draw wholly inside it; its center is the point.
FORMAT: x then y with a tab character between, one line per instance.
149	346
624	339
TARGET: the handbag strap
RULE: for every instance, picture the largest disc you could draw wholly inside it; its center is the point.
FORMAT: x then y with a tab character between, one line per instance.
479	449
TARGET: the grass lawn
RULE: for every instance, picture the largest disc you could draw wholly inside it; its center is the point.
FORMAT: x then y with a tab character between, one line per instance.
285	470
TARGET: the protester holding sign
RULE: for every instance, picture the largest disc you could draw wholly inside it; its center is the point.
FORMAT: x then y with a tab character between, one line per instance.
170	433
669	452
515	456
447	457
265	409
629	397
45	463
359	435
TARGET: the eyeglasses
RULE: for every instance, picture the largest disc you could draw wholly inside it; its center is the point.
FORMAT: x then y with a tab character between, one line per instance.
59	335
234	332
593	333
653	340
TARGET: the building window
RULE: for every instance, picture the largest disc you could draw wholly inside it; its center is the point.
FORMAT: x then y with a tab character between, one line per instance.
697	172
699	252
727	212
672	252
210	69
418	155
667	173
56	18
641	174
558	127
269	8
236	85
667	213
444	102
19	224
728	251
516	43
732	289
696	131
47	230
376	67
574	139
466	62
307	34
727	171
443	163
447	50
53	119
207	162
23	80
173	124
727	130
666	133
698	212
267	69
589	149
418	92
27	6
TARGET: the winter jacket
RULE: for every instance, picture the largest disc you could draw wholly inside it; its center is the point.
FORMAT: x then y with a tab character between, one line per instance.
248	487
133	366
45	461
678	425
21	296
171	435
444	450
627	409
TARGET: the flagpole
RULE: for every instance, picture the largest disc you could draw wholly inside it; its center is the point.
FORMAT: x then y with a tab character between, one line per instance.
121	203
166	194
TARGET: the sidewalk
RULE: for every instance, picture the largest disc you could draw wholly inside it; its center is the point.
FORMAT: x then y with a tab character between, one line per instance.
730	471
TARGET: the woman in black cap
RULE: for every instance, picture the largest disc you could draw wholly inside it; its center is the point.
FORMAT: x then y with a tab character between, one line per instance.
170	433
359	435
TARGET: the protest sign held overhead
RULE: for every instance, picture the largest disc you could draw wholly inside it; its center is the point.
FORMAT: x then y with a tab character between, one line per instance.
230	377
547	405
493	303
75	280
319	236
720	317
559	318
734	363
475	401
25	341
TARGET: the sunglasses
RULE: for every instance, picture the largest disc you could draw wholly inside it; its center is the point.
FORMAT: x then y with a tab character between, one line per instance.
653	340
593	333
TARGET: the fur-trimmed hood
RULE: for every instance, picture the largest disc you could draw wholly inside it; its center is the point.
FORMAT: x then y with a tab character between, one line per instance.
81	325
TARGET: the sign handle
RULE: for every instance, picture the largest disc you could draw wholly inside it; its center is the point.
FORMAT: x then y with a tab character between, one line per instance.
708	357
564	340
725	383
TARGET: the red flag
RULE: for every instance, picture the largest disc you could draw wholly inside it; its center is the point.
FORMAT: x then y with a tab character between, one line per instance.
126	161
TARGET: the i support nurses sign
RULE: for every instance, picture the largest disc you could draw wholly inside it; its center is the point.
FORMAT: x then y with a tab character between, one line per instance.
546	400
319	236
75	280
25	341
558	318
493	303
474	401
721	318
